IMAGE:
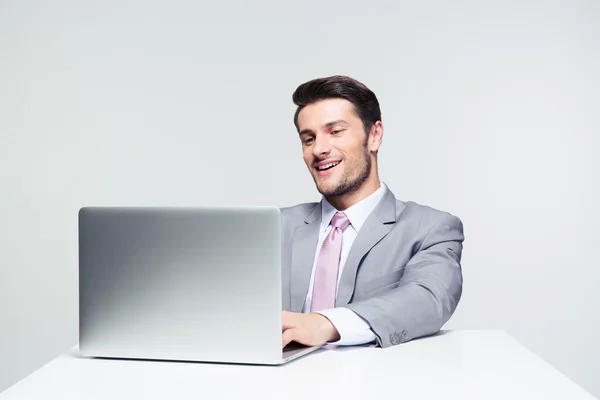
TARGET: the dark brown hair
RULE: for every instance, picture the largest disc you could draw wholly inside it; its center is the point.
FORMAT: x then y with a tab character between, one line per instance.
364	100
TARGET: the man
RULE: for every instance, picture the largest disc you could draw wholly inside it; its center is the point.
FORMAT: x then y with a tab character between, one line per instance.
360	266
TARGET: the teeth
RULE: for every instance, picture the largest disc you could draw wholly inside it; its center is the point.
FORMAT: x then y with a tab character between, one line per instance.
322	167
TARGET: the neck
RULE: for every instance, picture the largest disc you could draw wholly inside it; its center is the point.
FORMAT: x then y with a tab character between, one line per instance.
349	199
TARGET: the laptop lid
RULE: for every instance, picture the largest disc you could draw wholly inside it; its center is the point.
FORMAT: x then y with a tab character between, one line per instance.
194	284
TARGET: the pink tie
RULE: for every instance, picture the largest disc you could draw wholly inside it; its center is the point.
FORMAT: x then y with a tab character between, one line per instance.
328	264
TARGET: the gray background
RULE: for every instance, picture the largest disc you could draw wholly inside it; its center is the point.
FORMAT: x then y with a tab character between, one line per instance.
491	112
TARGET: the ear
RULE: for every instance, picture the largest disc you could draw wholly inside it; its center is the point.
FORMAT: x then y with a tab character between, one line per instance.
375	136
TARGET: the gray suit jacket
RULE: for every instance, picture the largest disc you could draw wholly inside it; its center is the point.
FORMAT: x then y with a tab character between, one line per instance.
402	275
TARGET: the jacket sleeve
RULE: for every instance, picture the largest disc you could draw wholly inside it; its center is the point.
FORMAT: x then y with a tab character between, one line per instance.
428	291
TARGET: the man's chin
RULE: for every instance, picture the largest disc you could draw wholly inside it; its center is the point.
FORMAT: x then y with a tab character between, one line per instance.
328	189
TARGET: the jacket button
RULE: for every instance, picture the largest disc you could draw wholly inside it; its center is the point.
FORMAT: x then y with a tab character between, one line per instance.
404	336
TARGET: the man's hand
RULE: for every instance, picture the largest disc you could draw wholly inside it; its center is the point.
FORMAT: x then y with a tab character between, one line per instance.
307	329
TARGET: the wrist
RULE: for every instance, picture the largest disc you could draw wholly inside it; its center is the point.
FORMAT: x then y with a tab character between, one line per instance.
328	329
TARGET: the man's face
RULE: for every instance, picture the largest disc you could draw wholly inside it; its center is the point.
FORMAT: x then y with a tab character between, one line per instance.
334	146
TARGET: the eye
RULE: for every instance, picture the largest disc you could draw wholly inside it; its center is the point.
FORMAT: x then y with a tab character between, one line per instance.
335	132
308	140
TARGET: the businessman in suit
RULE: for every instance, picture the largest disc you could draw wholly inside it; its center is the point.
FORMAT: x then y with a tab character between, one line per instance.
361	266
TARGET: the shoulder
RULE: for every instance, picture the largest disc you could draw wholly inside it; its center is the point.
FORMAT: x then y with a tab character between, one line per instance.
426	218
298	211
297	214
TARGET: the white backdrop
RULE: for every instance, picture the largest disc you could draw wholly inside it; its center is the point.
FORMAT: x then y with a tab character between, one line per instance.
490	109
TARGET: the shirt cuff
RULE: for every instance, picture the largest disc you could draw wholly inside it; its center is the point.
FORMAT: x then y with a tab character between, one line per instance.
353	329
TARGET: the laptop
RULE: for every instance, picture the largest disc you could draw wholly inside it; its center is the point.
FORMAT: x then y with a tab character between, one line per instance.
183	284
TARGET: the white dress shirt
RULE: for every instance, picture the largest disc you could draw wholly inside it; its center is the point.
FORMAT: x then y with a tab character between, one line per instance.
353	329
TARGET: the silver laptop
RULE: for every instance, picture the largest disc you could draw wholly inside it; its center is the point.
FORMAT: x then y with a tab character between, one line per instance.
186	284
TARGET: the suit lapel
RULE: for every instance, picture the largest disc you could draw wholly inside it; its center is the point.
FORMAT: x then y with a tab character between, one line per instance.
303	253
377	225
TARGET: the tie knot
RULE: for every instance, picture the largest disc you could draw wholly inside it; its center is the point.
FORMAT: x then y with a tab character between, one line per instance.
340	220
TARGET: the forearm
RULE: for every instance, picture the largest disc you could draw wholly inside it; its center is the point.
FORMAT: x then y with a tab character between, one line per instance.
425	299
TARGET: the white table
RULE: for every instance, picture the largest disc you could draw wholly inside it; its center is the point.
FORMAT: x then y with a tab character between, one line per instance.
450	365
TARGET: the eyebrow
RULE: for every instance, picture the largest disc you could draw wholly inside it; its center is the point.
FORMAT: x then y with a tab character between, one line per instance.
327	125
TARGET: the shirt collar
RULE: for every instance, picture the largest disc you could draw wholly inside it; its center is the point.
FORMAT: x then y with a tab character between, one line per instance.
357	214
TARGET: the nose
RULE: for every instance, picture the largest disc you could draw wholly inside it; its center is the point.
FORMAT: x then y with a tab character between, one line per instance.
321	146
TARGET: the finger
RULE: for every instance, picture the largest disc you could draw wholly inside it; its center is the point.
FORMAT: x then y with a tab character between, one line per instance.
287	336
300	335
288	320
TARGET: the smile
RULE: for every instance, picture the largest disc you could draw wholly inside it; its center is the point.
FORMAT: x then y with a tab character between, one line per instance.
328	166
327	169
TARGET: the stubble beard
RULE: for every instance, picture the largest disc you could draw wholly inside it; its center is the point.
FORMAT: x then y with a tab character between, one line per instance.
346	183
